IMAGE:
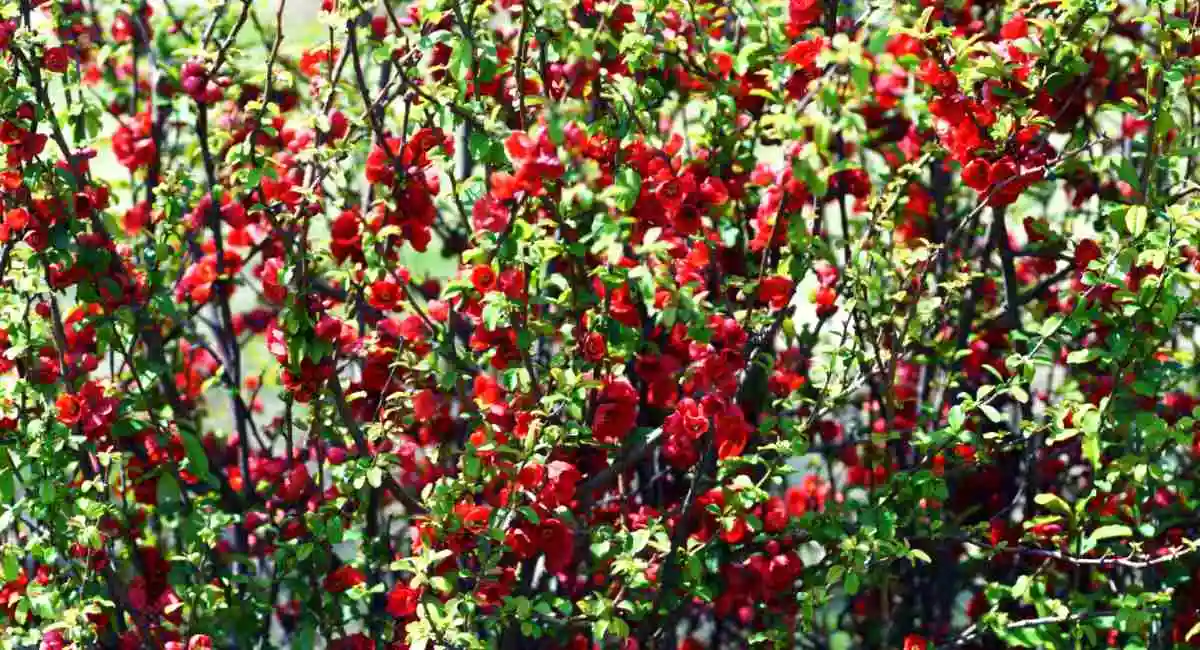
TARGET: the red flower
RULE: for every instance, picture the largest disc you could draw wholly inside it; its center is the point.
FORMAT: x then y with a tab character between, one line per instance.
133	143
7	28
1017	27
826	299
296	484
714	191
827	274
804	53
616	413
1001	171
775	291
520	540
594	347
732	433
425	405
474	517
273	289
489	214
346	237
511	283
10	133
483	278
311	60
136	218
343	578
358	641
1086	252
70	409
623	309
670	195
338	125
557	541
379	162
55	59
783	570
402	601
802	14
384	294
775	515
505	186
562	479
535	161
975	174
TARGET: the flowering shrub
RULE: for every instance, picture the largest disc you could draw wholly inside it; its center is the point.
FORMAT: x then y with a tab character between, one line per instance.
632	324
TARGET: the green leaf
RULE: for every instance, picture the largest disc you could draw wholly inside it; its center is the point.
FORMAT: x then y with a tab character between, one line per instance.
625	189
307	635
1028	637
1019	394
12	568
992	413
1127	173
1053	503
460	60
1020	587
530	514
600	549
196	456
851	583
957	418
748	55
1091	448
168	493
8	488
1135	220
494	315
484	149
1083	356
1051	325
1110	531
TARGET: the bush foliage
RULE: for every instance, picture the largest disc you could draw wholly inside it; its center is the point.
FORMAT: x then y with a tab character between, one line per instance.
612	324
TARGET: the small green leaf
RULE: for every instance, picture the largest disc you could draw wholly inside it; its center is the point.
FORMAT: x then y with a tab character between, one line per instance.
1020	587
1083	356
1110	531
992	413
1135	220
625	190
1051	325
8	488
1091	449
1019	394
12	568
168	492
1053	503
851	583
957	418
196	456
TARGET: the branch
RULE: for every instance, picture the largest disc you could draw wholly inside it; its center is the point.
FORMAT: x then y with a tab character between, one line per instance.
973	631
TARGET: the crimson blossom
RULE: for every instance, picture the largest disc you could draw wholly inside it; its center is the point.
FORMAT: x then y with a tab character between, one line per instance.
599	324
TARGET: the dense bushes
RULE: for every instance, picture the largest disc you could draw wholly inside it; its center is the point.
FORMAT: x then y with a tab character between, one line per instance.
643	324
